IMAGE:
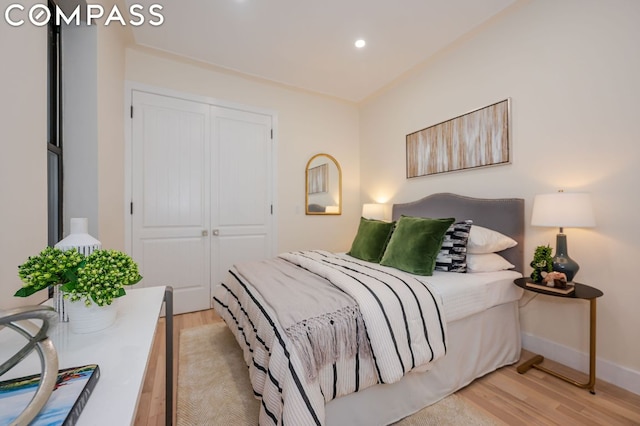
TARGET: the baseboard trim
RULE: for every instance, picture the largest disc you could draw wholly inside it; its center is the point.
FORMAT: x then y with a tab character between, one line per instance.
615	374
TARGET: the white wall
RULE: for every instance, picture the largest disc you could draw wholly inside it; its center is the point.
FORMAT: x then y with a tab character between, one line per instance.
111	114
571	68
307	125
23	158
80	125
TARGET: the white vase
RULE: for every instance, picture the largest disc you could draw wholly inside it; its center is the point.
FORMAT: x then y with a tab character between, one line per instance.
59	304
87	319
78	238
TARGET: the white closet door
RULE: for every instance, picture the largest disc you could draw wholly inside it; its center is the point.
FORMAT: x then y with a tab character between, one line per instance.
171	196
201	185
241	170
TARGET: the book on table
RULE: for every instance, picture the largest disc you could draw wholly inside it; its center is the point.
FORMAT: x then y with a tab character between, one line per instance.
568	290
70	394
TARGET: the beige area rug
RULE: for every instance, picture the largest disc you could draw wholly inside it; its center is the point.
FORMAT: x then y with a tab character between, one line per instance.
214	387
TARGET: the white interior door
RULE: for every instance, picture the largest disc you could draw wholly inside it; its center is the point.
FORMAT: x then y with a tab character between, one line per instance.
242	212
171	196
201	185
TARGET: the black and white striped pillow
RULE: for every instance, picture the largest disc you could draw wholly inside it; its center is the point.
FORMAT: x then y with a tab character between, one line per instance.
453	253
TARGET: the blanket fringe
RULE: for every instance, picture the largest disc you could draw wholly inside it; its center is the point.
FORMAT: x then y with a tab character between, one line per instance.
323	340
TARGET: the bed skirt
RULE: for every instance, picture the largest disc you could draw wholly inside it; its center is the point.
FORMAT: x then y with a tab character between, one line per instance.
478	345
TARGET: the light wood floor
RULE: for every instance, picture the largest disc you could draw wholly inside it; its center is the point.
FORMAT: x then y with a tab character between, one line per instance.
534	398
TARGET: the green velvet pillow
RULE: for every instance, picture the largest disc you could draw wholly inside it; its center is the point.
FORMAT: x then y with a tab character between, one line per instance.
415	244
371	239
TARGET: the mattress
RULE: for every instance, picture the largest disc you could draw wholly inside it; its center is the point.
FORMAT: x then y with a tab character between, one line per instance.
467	294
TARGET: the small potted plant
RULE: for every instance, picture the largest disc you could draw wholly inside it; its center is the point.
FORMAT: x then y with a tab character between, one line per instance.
101	278
542	263
51	267
89	283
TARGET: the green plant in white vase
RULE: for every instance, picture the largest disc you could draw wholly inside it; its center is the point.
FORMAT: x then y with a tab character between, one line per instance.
52	266
102	278
95	279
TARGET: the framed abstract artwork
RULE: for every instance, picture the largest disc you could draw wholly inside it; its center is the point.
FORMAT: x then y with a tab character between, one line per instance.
479	138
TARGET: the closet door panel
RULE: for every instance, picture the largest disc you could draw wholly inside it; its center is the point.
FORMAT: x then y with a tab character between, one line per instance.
241	184
171	196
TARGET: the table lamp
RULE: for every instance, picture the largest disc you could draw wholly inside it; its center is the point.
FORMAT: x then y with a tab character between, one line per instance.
564	210
373	211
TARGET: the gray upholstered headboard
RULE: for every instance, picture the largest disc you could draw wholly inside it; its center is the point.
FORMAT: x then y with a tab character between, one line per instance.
505	215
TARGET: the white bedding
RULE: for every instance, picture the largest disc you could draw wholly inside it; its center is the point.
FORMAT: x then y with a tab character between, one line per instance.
467	294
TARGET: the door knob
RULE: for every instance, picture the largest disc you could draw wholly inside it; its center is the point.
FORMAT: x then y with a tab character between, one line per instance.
205	233
215	232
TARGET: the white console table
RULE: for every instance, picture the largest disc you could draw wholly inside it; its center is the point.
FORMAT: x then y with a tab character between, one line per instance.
121	351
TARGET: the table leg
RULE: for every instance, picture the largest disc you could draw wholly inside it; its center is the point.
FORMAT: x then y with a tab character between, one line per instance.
591	385
526	366
168	309
536	361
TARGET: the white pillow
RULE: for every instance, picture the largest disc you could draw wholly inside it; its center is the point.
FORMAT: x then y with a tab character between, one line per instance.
488	262
483	240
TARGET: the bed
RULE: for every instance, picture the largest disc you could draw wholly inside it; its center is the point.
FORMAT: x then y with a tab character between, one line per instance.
471	329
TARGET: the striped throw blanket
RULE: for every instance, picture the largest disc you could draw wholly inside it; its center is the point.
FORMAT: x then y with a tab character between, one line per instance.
403	322
322	321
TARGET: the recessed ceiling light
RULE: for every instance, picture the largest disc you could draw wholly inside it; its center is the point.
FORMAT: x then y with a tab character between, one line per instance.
360	43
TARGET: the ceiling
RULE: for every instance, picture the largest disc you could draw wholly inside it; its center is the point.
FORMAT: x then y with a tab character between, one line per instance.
310	44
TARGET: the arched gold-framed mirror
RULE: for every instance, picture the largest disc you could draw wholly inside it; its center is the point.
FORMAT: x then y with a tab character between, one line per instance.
323	186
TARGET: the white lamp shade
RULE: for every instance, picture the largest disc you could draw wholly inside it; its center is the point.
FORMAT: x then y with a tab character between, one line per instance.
373	211
79	238
563	209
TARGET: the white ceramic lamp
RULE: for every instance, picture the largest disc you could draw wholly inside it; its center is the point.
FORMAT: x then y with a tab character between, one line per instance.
563	210
373	211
